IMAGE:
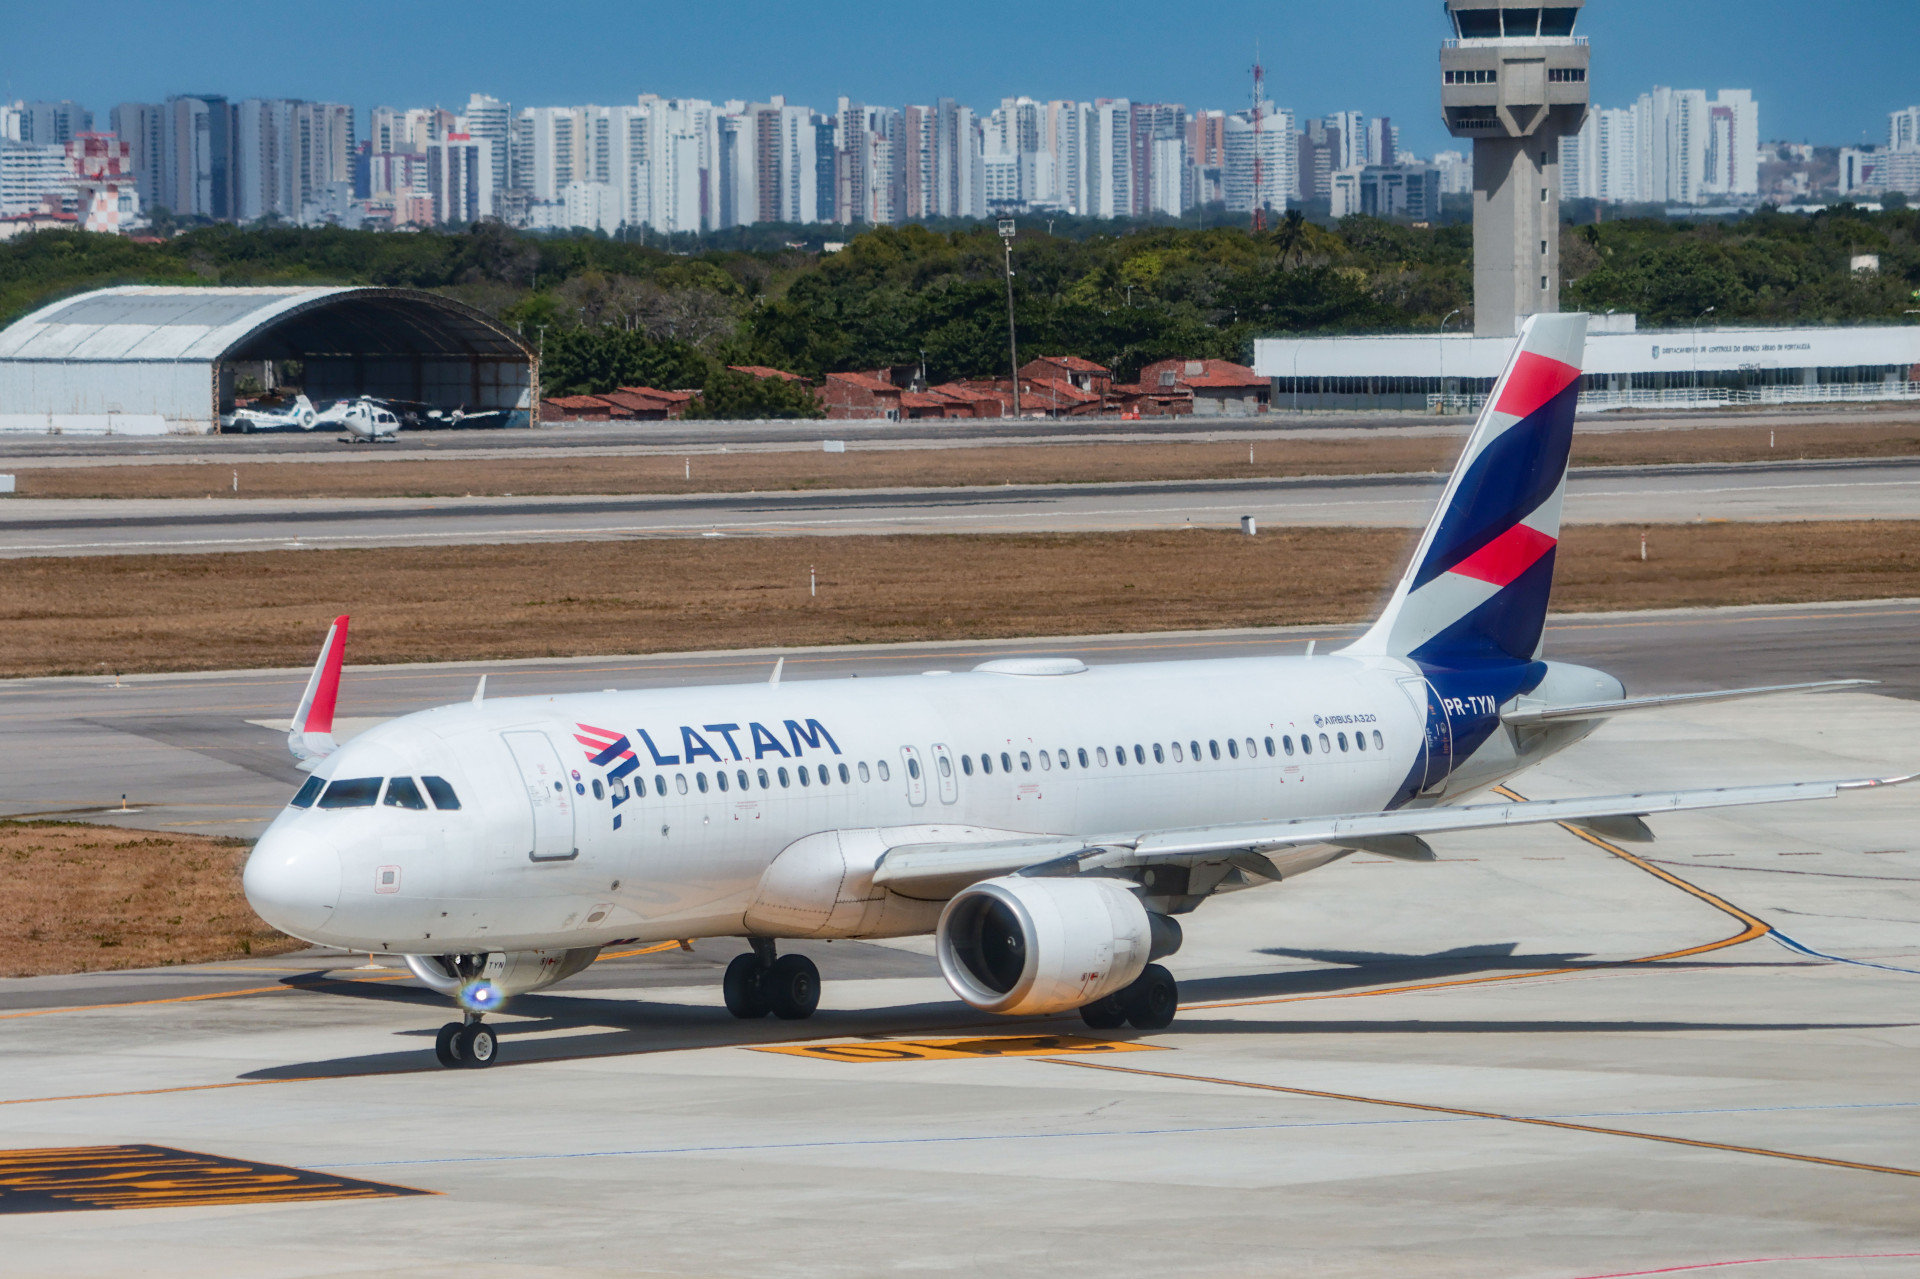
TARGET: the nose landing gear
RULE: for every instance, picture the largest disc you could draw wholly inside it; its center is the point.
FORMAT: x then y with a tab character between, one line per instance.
758	983
468	1043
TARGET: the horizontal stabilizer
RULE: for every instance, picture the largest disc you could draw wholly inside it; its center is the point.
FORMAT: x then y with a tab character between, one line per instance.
1522	715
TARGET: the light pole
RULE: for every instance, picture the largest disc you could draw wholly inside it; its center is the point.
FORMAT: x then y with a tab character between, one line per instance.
1013	348
1449	315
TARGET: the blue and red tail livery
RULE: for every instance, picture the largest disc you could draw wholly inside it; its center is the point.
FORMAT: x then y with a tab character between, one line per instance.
1477	589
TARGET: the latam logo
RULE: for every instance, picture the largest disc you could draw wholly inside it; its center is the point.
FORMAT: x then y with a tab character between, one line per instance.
607	748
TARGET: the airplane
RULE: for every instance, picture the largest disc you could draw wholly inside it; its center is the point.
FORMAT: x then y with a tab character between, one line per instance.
1048	822
297	412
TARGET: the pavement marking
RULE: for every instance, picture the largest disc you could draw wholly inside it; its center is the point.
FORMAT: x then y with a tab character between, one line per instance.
932	1049
1749	1261
79	1178
1463	1113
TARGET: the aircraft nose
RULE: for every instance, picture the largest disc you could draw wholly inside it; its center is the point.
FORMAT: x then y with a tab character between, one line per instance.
293	881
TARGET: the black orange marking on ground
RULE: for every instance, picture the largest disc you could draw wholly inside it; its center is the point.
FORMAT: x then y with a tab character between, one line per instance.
1494	1115
86	1178
1754	928
934	1049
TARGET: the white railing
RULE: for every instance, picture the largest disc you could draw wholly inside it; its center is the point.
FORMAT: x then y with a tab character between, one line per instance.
1704	397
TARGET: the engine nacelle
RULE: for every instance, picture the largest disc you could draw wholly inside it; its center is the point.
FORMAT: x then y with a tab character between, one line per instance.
485	982
1017	945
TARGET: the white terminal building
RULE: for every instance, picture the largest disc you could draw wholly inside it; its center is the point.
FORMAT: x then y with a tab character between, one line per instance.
1625	367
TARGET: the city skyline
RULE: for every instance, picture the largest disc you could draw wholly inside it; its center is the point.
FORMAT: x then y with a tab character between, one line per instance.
753	50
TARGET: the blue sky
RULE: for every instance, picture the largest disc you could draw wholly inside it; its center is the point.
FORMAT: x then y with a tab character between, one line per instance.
1824	71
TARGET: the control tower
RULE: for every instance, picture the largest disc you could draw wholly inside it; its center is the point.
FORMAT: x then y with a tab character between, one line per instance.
1513	81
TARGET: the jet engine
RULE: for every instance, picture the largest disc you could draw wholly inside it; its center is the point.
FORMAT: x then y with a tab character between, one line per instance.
483	983
1021	945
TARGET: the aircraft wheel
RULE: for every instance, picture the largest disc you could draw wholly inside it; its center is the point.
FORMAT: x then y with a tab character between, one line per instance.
479	1046
792	987
446	1045
1105	1014
1152	999
745	998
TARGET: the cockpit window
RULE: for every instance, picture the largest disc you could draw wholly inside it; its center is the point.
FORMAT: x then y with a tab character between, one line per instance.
308	793
443	796
402	793
351	792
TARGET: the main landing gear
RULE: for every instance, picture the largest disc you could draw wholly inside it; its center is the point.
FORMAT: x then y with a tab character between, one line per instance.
757	983
1147	1004
468	1043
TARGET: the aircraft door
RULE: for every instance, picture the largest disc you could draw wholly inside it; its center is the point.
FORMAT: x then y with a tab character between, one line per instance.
916	775
944	774
1437	748
548	793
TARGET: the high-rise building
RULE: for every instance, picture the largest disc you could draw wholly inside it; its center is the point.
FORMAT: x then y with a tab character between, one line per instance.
1350	128
1383	142
1455	170
138	125
1279	154
196	146
1062	138
1903	130
1109	159
1207	157
52	123
1319	158
460	178
31	173
489	122
1154	123
1514	81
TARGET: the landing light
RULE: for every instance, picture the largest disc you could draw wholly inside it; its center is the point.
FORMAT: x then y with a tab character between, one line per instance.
479	996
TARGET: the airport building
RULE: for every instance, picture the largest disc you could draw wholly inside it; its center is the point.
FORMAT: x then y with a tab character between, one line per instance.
1626	367
153	360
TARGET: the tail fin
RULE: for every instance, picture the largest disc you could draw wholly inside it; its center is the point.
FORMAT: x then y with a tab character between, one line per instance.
310	737
1478	585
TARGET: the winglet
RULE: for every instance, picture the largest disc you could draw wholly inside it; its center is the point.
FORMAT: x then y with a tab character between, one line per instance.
480	691
773	680
311	734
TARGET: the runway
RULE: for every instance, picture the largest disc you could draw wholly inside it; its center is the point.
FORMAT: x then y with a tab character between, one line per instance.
1537	1056
188	753
1833	490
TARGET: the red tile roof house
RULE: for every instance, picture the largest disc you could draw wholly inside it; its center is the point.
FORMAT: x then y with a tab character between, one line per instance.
649	405
861	395
1220	388
1059	397
1071	369
578	408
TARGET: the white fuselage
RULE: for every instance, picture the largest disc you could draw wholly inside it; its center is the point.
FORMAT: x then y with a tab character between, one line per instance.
549	850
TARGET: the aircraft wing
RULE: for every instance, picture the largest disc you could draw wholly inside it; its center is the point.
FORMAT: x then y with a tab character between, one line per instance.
920	869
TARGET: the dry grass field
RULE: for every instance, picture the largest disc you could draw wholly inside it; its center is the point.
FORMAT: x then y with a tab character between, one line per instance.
411	476
83	898
188	612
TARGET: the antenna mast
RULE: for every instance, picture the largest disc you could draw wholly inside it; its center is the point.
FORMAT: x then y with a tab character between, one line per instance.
1259	159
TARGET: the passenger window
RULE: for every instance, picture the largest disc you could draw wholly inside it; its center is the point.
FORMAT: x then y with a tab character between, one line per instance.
1379	742
720	778
1179	756
680	782
598	792
1120	755
966	765
913	769
1213	748
1233	748
825	776
351	792
1325	746
785	781
1286	743
1306	744
863	772
1195	748
700	780
304	797
1026	762
1139	753
806	775
1342	739
885	772
1269	742
1252	750
765	783
1006	762
1159	756
741	777
659	783
986	763
1046	760
1083	757
1360	740
845	776
1100	752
